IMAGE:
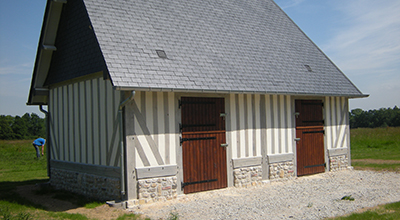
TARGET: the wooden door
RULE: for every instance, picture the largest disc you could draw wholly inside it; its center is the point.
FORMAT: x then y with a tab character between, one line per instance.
203	132
310	137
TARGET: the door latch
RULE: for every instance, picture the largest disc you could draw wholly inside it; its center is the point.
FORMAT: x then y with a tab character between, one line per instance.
224	145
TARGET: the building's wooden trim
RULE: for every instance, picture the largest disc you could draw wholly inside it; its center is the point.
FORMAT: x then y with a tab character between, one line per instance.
179	153
276	158
98	170
159	171
348	131
263	127
78	79
228	129
246	162
128	151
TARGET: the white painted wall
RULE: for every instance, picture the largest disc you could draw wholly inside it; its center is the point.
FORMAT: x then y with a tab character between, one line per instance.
251	119
84	125
337	130
85	129
155	128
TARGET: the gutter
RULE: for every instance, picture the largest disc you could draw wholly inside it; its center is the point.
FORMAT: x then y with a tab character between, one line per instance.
121	136
149	89
48	153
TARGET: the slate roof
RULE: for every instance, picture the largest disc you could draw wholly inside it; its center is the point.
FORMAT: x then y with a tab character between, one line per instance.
212	46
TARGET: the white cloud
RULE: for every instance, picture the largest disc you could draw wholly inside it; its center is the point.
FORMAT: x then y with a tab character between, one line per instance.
382	95
23	68
368	41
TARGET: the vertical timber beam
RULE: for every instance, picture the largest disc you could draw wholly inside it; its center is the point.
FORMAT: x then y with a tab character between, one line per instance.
129	152
346	108
263	125
179	153
228	132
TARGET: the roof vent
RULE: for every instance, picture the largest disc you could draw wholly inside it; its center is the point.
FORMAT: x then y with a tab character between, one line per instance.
308	68
161	54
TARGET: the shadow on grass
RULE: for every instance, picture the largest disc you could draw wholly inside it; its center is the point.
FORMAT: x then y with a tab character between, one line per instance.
8	193
38	194
8	185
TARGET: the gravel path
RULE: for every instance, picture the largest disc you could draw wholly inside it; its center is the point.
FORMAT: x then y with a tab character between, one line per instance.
312	197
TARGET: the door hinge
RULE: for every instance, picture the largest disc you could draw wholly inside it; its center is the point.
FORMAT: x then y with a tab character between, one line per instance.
317	165
196	139
197	182
313	132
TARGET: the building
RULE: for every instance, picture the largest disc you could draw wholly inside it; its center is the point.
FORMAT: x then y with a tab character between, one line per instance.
151	99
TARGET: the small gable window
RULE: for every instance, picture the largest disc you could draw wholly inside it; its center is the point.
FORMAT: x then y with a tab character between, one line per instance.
308	68
161	54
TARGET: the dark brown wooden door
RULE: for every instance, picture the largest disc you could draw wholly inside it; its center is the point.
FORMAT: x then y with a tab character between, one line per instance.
203	132
310	130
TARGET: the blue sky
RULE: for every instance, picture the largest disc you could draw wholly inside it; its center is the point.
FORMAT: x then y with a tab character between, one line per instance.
362	37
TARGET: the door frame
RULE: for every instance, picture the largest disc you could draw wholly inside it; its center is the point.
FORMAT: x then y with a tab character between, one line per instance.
293	110
179	152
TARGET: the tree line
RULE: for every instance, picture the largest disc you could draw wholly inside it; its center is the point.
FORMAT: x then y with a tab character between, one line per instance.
29	126
383	117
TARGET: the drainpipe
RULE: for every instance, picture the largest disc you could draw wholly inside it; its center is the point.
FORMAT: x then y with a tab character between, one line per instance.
47	139
121	136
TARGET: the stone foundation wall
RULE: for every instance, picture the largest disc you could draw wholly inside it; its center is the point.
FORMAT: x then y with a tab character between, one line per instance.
247	176
281	170
157	189
92	186
337	163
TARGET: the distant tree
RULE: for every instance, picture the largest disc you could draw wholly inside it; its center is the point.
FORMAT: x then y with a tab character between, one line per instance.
35	125
6	133
395	118
375	118
28	126
19	128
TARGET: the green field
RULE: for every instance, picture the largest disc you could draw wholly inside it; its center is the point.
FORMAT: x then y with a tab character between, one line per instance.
376	148
18	162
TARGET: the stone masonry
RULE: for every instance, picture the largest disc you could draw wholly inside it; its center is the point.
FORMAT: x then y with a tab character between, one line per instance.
281	170
247	176
337	163
92	186
157	189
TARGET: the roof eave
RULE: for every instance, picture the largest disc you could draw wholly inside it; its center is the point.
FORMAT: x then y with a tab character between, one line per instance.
45	49
130	88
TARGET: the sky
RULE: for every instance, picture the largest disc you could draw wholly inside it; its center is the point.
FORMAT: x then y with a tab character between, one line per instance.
362	37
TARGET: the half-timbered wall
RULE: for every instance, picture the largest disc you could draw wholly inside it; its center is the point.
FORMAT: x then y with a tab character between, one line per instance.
154	127
260	121
84	125
336	122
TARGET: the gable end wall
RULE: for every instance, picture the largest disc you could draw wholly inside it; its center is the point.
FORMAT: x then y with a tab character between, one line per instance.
84	124
78	52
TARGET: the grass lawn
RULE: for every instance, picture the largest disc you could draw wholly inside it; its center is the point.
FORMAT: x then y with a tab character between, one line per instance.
18	162
375	148
383	212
